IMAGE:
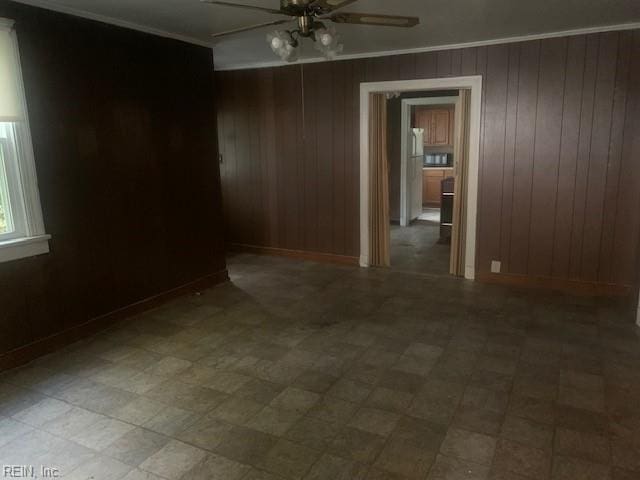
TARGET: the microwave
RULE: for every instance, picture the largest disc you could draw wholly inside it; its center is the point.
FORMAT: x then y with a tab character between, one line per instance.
438	160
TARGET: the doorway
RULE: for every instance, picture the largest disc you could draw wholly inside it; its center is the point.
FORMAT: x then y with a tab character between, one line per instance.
370	200
421	134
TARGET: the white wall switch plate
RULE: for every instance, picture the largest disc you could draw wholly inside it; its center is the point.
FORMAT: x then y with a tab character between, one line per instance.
496	266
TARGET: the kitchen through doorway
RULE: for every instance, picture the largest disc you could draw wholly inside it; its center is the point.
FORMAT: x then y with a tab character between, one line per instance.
421	135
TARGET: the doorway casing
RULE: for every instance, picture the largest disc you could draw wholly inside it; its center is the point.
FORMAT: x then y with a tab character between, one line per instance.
473	83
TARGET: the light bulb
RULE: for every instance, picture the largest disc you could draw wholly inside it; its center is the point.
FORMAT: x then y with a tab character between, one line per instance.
326	39
276	43
283	45
328	42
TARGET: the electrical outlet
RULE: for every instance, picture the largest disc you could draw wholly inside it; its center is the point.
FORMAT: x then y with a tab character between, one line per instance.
496	266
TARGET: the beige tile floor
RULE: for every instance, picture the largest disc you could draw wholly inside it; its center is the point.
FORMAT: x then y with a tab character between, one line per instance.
415	249
430	215
304	371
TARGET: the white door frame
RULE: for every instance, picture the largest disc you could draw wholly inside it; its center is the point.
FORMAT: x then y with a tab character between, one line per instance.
474	83
407	103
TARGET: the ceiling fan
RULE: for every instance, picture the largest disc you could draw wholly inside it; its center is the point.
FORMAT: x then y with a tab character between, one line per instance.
310	16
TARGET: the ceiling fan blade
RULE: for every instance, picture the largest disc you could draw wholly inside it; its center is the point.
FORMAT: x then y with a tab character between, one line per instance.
251	27
247	7
373	19
330	5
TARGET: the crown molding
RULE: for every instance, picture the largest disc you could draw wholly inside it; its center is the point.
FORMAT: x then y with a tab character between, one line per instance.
76	12
453	46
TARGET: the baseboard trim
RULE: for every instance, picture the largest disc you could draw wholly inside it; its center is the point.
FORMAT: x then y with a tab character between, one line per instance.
299	254
43	346
574	287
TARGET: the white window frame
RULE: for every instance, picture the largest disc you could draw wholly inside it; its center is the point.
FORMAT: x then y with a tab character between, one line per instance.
28	237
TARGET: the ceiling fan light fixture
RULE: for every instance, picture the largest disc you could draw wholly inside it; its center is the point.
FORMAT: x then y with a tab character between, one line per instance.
310	16
283	45
327	41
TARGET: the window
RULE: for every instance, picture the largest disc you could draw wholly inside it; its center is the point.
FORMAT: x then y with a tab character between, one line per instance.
21	227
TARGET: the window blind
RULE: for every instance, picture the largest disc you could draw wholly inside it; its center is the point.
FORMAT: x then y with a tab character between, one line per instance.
10	95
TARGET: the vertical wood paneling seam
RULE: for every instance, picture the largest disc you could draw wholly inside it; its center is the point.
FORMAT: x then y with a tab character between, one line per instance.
345	158
305	146
515	149
300	162
533	153
315	159
234	231
555	208
303	103
575	178
266	213
331	163
483	130
483	127
622	140
606	178
504	151
593	110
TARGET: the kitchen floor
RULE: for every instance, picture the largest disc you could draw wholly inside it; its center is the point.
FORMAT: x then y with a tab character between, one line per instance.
416	249
300	370
430	215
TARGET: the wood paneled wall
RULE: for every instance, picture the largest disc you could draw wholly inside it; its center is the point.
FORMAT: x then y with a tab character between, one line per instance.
126	162
560	153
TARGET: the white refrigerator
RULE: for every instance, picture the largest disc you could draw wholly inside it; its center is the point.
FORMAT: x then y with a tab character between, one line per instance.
416	163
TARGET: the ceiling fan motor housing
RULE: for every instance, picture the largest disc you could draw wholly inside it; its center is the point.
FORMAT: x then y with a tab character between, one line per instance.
295	7
306	25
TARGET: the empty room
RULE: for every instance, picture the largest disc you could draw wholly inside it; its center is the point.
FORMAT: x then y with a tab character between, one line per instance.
320	239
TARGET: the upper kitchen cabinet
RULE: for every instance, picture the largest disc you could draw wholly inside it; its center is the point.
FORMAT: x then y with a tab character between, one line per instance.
437	124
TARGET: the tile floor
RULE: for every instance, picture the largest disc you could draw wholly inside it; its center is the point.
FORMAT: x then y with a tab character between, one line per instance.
304	371
416	249
430	215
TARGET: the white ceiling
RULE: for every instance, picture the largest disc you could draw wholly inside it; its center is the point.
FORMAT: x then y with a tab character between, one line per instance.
443	22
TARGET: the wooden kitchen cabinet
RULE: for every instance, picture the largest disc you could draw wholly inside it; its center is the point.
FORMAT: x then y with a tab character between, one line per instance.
432	186
437	124
441	128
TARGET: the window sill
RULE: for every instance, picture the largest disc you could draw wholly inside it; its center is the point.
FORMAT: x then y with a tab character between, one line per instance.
24	247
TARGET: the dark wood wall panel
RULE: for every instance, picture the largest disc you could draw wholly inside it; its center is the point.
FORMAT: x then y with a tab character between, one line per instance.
493	136
339	139
559	176
615	157
324	155
310	178
599	155
626	229
121	124
584	149
568	156
528	84
546	152
511	113
353	187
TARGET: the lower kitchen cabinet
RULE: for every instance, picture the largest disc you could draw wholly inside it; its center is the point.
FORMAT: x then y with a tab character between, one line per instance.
432	186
